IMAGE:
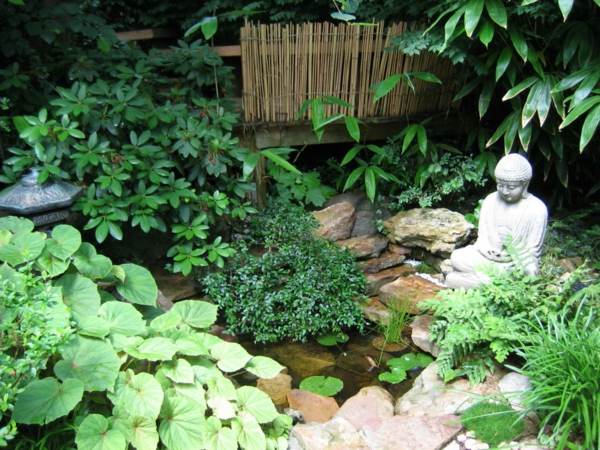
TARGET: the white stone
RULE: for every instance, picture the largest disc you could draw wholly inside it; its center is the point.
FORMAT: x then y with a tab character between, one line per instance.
470	444
461	438
452	446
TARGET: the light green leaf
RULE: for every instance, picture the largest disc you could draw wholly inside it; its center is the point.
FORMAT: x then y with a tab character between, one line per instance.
451	24
94	433
263	367
486	32
250	162
472	15
327	387
221	408
395	375
385	86
178	370
219	386
182	422
80	294
142	432
16	225
138	286
257	403
497	12
122	318
248	432
196	313
330	100
584	106
520	88
280	161
209	25
343	16
23	248
93	326
141	394
589	127
193	392
230	356
89	263
45	400
518	42
356	173
64	242
351	154
565	7
217	437
330	119
531	104
153	349
165	321
370	183
92	361
352	127
51	264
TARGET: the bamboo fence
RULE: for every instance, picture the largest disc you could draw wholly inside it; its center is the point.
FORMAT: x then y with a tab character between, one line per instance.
283	66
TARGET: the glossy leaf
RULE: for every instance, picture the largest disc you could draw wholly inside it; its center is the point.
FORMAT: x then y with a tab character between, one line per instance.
518	42
565	7
351	154
525	84
589	127
497	12
385	86
503	62
584	106
486	32
352	127
472	15
356	173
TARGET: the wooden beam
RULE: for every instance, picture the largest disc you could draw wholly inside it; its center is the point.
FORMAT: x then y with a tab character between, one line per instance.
150	33
228	50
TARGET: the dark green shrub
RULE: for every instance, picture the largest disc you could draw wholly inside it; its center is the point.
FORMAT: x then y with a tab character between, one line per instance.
301	286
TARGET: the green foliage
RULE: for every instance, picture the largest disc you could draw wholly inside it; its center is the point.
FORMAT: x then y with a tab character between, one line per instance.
121	378
493	422
473	325
302	285
397	320
561	355
400	366
327	387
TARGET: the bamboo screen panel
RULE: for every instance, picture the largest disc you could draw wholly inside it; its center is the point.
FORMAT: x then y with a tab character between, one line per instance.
285	65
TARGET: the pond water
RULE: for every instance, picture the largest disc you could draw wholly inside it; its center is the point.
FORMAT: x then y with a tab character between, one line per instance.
357	362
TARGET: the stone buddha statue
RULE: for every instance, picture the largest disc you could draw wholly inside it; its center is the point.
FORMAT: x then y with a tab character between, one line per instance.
509	214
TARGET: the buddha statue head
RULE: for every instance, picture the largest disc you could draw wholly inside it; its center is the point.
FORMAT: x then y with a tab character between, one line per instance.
513	174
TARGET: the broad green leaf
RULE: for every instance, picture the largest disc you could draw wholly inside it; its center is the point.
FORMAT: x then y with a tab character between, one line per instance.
506	123
165	321
525	136
318	116
589	127
520	88
142	432
194	392
220	386
80	294
370	184
23	248
544	100
565	7
153	349
395	375
586	87
191	346
486	32
92	361
248	432
221	408
356	173
518	42
89	263
451	24
411	132
64	242
573	79
141	394
472	15
196	313
217	437
497	12
343	16
327	387
178	370
385	86
351	154
422	139
93	326
503	62
45	400
511	134
230	356
263	367
257	403
138	286
209	25
16	225
122	318
51	264
94	433
352	127
280	161
182	423
531	104
584	106
250	162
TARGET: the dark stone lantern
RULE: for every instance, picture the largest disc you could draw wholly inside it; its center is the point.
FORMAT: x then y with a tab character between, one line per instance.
43	204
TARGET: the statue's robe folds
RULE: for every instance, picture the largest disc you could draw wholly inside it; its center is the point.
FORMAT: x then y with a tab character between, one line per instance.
525	222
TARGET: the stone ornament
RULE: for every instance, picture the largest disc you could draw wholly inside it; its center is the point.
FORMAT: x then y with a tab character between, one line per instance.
509	213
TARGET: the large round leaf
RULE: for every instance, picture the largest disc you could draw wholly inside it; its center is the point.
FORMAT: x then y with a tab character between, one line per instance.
178	370
93	326
89	263
80	294
217	437
181	424
51	264
17	225
196	313
138	286
221	408
257	403
322	386
64	242
122	318
95	434
230	356
194	392
90	360
23	248
220	386
153	349
165	321
141	394
191	345
45	400
263	367
248	432
395	375
142	432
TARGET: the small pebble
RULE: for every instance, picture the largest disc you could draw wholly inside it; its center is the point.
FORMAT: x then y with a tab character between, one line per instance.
452	446
469	434
461	438
471	444
482	446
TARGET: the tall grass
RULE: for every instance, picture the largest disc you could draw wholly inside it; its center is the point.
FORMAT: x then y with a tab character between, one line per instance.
562	363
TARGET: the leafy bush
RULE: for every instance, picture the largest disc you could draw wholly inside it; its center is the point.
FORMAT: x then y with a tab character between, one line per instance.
303	285
474	325
493	422
125	377
561	358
